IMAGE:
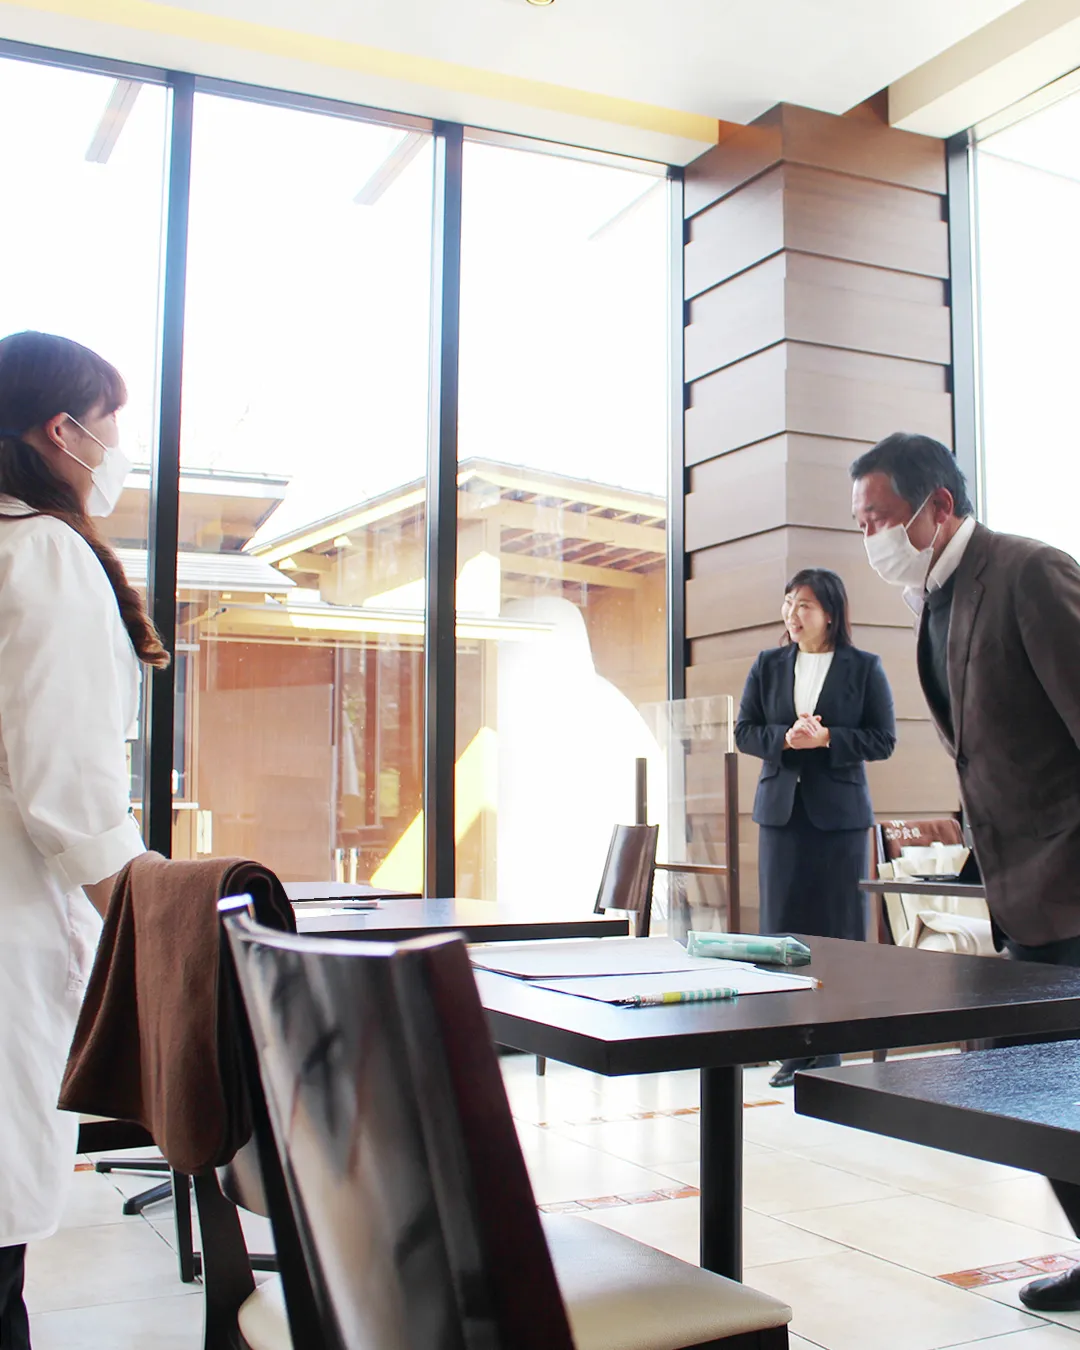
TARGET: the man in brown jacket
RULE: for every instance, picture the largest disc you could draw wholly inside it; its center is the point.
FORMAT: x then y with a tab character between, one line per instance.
999	663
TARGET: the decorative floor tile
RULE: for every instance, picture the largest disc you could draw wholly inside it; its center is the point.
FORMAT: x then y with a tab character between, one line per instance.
1028	1269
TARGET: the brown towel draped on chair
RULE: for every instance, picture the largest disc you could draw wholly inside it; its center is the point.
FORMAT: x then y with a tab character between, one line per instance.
156	1041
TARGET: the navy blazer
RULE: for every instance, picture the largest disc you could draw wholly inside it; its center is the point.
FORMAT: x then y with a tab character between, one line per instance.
857	707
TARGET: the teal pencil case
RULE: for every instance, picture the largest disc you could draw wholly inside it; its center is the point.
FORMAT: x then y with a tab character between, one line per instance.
773	951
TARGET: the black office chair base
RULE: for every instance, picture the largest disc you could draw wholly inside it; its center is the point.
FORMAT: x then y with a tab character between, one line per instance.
140	1167
154	1196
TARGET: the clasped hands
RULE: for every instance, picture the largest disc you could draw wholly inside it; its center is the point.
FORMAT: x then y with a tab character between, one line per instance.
807	734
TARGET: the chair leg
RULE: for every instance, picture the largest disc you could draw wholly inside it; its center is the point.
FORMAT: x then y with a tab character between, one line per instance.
185	1243
880	1056
541	1066
227	1278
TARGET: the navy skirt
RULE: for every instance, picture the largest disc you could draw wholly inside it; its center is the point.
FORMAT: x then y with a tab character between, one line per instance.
809	878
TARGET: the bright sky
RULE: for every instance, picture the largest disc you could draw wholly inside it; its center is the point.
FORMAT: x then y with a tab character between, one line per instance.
1028	226
306	348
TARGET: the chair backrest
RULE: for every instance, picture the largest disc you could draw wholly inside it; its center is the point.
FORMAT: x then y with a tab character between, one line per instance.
389	1115
895	835
627	883
891	837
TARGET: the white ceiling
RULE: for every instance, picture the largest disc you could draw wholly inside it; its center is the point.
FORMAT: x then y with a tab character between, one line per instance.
730	59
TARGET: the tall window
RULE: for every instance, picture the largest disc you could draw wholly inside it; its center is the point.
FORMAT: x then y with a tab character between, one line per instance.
563	445
1028	219
82	160
301	553
305	383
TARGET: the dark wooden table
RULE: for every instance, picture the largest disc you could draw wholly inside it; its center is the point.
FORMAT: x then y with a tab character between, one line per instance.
1018	1105
479	920
910	886
873	997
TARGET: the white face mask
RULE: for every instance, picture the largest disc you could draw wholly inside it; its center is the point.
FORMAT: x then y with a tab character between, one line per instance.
107	478
895	558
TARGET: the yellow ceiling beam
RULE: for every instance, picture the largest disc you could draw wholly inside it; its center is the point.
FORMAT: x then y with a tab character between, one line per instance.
294	45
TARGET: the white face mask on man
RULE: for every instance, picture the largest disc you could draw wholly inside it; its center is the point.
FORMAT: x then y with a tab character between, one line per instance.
895	558
107	478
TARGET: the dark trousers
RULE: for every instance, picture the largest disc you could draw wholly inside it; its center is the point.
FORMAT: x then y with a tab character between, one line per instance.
1065	952
14	1323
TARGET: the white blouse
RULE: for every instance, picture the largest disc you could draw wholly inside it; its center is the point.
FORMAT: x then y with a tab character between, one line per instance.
811	669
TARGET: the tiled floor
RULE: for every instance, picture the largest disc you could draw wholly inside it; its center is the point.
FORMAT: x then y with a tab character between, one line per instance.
856	1232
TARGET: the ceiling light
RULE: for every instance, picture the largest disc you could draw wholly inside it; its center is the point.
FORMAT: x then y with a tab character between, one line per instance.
540	3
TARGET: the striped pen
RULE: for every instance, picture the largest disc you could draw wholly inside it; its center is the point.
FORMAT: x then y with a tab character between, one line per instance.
683	996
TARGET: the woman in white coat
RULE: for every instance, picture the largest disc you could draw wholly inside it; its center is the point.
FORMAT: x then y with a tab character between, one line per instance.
72	635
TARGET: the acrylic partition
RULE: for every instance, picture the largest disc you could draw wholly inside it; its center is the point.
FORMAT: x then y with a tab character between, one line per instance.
693	793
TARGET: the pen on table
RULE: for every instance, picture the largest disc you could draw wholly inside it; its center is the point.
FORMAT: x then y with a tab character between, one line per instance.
684	996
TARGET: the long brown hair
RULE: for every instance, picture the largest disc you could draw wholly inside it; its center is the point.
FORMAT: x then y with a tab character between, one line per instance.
40	376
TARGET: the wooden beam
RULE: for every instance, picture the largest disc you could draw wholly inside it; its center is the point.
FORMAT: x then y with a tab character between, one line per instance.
554	570
564	524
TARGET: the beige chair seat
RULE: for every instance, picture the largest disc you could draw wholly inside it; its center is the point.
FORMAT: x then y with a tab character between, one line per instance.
263	1321
620	1295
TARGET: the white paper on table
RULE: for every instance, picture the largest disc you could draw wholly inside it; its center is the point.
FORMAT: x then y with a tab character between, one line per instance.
586	957
732	975
307	910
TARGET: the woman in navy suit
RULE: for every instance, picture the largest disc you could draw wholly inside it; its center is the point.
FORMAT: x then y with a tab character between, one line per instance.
815	709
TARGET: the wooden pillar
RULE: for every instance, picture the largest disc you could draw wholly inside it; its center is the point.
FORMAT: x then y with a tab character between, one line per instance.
817	322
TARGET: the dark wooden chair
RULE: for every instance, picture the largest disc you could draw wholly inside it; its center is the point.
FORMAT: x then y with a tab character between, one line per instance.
407	1184
627	882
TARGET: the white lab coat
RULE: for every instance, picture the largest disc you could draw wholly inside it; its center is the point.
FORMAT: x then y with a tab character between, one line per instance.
68	696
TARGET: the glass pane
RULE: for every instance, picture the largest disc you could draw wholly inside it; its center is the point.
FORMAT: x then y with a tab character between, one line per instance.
1028	179
562	516
89	267
301	563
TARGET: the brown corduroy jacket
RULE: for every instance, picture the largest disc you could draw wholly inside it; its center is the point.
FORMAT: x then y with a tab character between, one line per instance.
1014	687
157	1039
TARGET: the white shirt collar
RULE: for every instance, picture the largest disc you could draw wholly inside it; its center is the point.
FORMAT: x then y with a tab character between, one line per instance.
951	554
943	569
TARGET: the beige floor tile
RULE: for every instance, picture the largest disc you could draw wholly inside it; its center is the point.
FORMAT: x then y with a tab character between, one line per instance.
93	1200
779	1127
849	1301
669	1225
112	1263
780	1183
689	1173
562	1169
1040	1338
895	1162
161	1323
663	1139
1025	1199
768	1241
922	1234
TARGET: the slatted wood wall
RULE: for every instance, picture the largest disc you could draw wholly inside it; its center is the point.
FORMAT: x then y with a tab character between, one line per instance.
817	321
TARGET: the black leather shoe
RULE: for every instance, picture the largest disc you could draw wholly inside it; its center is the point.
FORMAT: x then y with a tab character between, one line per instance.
785	1074
1053	1293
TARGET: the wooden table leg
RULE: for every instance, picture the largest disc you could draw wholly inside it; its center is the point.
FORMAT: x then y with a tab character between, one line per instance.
721	1170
